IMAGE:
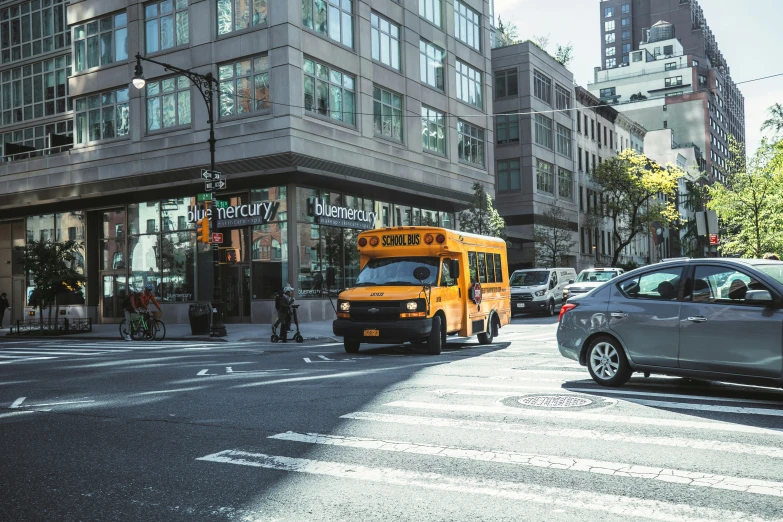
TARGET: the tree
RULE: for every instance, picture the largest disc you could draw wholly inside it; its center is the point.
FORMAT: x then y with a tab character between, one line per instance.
506	34
775	120
695	201
541	41
51	267
482	217
553	237
565	54
636	192
751	206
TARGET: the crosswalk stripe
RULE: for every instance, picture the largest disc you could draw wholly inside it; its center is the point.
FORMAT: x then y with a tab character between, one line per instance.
48	352
576	433
22	359
625	506
616	469
591	417
706	407
675	396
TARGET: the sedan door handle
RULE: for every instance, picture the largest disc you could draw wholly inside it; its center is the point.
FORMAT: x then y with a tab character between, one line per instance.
698	319
618	314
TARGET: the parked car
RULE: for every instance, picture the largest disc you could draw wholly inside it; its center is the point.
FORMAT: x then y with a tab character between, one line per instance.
539	289
589	279
719	319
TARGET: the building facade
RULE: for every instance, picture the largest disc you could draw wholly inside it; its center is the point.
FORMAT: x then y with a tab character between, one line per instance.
535	147
331	118
666	61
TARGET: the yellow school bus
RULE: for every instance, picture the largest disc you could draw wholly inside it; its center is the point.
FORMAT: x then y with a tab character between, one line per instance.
420	284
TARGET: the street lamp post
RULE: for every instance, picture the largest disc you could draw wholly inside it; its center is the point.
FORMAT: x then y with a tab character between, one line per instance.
206	85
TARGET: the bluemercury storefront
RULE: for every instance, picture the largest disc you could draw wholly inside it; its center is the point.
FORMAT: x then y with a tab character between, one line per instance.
292	234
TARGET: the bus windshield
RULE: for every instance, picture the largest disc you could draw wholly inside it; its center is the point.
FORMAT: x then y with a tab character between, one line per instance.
397	271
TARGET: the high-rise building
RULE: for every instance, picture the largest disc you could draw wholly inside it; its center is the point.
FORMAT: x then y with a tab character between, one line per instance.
661	65
332	117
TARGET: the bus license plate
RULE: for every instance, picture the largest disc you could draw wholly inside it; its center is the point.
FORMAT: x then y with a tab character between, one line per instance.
520	305
372	333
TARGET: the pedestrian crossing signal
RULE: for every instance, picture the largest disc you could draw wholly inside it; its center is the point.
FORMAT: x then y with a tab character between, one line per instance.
202	226
230	256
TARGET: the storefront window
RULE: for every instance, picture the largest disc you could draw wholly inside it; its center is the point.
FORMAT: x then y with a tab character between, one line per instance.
144	218
269	245
59	228
40	228
178	252
143	254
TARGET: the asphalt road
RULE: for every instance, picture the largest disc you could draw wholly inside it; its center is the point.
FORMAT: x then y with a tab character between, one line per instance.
262	432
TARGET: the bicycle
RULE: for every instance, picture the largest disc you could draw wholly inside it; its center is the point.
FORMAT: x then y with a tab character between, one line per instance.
144	327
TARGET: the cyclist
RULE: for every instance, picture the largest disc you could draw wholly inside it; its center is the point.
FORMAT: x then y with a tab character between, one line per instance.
131	305
147	296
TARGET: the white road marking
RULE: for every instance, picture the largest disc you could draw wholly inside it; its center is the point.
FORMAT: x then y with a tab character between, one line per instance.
576	433
624	506
325	358
204	372
20	351
229	369
707	407
15	413
18	402
616	469
674	396
592	417
16	359
307	359
55	404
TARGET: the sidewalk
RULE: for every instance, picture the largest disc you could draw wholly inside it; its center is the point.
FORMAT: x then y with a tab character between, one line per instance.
315	330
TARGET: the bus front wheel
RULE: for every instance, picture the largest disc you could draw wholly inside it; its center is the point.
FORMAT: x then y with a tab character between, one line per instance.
435	340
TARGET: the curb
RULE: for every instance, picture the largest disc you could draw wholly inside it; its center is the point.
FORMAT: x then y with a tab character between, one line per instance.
118	338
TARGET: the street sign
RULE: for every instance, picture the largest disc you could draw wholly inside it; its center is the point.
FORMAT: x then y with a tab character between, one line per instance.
215	185
210	174
204	196
221	203
217	237
714	239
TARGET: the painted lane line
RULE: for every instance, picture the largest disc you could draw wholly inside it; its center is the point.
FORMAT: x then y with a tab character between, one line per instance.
576	433
675	396
615	469
204	372
307	359
592	417
17	358
18	402
325	358
230	370
55	404
19	351
707	407
627	507
15	413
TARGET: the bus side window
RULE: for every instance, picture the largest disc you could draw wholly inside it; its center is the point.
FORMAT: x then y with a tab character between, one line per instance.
472	264
498	269
446	279
491	268
482	267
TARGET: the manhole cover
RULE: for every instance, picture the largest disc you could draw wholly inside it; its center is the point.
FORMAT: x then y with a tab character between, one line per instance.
555	401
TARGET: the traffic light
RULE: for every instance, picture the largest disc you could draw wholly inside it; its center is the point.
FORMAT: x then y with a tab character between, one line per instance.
202	226
229	256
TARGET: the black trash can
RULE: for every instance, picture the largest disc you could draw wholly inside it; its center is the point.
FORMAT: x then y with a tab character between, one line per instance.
199	315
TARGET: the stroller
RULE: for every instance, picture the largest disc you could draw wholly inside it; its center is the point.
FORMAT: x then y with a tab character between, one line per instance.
297	335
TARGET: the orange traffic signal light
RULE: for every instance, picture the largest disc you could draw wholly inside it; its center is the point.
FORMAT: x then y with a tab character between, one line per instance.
202	226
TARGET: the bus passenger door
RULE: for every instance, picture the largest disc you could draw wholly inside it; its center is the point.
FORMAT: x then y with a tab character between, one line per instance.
450	295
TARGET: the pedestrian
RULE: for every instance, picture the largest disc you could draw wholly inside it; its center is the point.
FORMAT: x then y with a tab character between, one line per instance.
285	311
4	305
130	305
278	303
771	256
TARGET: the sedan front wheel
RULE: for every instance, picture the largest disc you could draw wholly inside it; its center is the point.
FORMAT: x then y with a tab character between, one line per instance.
606	362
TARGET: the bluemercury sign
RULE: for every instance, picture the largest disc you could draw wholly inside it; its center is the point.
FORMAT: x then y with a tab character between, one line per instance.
238	215
335	216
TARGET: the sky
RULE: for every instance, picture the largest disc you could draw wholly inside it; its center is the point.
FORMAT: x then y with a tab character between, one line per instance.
748	34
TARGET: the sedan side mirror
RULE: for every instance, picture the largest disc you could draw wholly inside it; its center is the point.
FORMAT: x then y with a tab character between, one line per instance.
758	296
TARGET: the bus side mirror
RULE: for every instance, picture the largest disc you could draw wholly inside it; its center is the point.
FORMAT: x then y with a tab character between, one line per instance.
454	269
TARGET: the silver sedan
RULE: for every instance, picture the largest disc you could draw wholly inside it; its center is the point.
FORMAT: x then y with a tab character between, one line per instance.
718	319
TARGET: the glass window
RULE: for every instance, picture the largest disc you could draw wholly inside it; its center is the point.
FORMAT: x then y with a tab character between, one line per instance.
32	28
609	26
244	86
385	41
609	38
102	116
626	35
431	64
626	22
508	175
542	87
166	25
544	177
722	285
661	285
35	91
472	266
610	51
625	8
332	18
543	134
431	11
470	145
611	62
608	12
467	25
387	113
506	83
468	84
507	128
563	140
329	92
433	130
565	184
269	246
168	103
40	228
608	92
100	42
674	81
562	98
235	15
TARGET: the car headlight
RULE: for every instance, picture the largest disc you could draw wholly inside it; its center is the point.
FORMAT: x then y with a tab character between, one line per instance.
541	293
345	306
412	306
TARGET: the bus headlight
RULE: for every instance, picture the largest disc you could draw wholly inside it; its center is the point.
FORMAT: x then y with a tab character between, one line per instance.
345	306
412	306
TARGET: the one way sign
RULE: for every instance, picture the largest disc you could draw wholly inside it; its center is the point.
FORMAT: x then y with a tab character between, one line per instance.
210	174
215	185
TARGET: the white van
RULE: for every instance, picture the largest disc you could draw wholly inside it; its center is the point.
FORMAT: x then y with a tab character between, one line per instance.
539	289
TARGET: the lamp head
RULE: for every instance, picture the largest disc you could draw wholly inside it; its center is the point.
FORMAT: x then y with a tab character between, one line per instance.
138	74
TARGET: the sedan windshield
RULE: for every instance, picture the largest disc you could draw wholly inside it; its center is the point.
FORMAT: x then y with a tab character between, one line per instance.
589	276
397	271
536	278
